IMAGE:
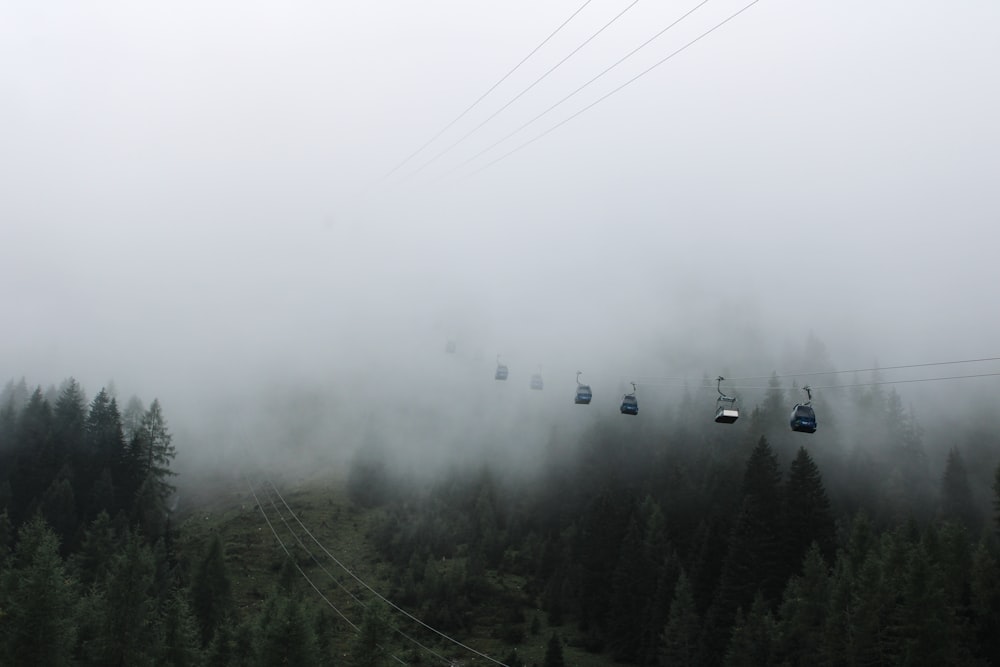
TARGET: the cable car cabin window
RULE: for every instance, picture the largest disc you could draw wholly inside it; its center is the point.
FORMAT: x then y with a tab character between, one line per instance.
804	412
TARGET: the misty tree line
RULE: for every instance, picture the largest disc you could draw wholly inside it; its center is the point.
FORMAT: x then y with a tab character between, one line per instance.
694	545
89	570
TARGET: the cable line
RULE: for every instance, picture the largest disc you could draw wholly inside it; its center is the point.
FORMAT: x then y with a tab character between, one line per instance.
483	96
260	506
615	90
852	370
373	591
518	96
342	587
567	97
874	383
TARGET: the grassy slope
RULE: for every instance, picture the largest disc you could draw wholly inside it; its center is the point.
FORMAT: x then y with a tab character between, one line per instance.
254	557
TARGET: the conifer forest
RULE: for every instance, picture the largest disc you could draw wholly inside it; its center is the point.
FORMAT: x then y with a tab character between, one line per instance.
684	543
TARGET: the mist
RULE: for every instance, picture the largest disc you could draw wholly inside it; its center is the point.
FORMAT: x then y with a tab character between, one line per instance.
193	205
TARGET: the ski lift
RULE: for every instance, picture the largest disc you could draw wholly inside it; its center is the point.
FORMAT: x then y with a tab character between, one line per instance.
449	347
803	417
536	380
726	410
501	373
630	405
583	393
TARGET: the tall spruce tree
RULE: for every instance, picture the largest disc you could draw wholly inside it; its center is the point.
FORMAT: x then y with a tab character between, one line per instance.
37	625
554	652
211	595
680	638
957	503
808	517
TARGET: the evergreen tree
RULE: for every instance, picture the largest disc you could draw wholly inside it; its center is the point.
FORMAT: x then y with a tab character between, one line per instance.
6	537
94	558
211	596
129	630
69	416
628	590
106	453
151	453
754	558
680	638
803	611
36	624
956	495
369	646
753	637
180	640
221	652
132	417
36	463
59	509
554	652
807	512
996	497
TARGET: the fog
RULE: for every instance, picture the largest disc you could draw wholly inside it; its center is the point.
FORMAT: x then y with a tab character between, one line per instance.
194	204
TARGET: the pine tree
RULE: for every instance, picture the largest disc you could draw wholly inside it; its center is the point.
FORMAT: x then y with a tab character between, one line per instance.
956	495
680	638
181	640
59	509
369	646
6	537
807	513
753	637
128	630
211	595
106	453
554	652
625	622
69	416
37	626
92	561
803	611
151	453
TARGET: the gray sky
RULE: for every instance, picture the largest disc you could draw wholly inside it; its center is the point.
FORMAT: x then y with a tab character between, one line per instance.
190	197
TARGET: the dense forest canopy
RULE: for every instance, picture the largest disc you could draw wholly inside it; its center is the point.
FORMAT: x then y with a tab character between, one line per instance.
657	540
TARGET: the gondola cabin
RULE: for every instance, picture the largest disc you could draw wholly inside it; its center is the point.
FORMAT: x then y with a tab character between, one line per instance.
536	382
449	347
583	395
501	373
803	419
630	405
726	411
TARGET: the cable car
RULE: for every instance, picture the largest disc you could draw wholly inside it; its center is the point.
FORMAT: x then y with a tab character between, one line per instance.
803	417
726	410
536	382
501	373
630	405
583	393
449	347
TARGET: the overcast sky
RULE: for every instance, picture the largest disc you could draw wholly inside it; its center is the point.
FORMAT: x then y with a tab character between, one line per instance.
191	193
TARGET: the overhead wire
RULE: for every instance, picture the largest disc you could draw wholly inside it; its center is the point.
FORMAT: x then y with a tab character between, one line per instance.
338	582
496	113
375	592
603	97
288	553
873	369
577	90
483	96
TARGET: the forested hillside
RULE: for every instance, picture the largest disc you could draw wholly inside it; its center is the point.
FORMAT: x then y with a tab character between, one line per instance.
666	541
